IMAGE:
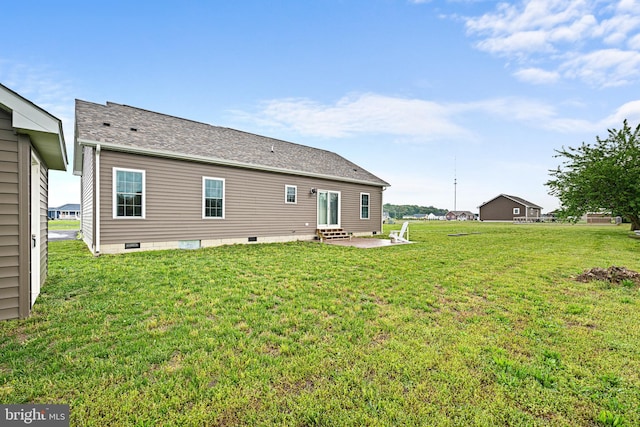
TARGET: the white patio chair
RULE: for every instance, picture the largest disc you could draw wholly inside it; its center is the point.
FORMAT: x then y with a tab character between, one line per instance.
398	236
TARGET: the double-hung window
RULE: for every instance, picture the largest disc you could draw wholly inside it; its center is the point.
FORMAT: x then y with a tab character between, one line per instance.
364	205
212	197
128	193
516	211
290	194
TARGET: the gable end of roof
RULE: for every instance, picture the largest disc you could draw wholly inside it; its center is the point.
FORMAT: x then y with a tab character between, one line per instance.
44	129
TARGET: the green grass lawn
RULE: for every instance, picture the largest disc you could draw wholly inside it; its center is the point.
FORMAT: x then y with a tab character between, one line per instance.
64	224
486	329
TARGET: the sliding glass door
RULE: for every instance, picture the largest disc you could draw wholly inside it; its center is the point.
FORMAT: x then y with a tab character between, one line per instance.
328	209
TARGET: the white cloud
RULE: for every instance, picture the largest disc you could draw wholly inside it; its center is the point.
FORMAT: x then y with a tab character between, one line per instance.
537	76
515	44
629	111
423	121
413	120
634	42
511	109
541	21
587	40
605	68
569	125
38	84
361	114
616	29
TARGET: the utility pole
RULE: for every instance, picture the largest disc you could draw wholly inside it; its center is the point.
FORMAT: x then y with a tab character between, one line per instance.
455	186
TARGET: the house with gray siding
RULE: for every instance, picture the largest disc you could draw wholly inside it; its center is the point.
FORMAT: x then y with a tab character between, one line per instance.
31	143
509	208
155	181
70	211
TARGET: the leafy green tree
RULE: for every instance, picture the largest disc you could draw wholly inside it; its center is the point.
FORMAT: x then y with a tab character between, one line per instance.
600	176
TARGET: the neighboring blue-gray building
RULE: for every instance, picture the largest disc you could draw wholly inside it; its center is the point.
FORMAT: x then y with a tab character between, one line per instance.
68	211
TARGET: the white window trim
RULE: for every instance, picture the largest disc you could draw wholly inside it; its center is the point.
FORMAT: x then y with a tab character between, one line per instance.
338	225
368	206
516	211
115	171
224	198
286	187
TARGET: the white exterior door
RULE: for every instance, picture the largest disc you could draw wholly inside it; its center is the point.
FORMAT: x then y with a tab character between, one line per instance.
328	209
35	228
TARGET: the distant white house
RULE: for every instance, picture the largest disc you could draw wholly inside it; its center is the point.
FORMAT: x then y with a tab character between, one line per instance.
68	211
415	216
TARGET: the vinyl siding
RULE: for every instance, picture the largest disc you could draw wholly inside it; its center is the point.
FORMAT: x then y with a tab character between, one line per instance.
351	221
254	203
44	223
500	209
87	202
9	221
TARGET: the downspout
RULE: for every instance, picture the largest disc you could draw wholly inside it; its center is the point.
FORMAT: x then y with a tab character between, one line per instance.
81	204
97	199
382	211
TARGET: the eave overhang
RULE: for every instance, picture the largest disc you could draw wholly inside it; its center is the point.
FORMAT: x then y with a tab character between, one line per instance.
44	130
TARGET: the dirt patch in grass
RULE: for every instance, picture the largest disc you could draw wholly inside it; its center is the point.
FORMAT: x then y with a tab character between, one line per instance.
612	274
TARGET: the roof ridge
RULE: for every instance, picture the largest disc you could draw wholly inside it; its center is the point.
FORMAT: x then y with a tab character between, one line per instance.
111	103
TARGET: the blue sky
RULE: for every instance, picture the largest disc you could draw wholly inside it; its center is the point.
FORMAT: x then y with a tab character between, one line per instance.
416	92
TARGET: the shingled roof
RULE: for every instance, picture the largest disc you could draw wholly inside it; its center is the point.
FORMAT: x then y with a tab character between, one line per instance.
515	199
124	128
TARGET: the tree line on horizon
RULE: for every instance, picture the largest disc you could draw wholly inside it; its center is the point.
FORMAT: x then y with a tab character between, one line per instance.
398	211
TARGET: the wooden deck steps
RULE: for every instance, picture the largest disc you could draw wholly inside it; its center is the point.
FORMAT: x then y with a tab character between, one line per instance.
332	234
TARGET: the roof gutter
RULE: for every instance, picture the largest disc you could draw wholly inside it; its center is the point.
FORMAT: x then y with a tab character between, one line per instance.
217	161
